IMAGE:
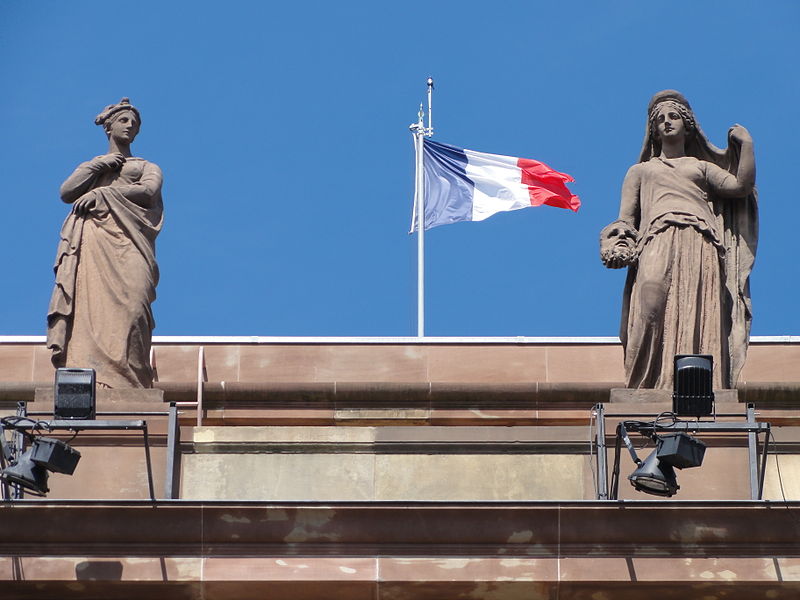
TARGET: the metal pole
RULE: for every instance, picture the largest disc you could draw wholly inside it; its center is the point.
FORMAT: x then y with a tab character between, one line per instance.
149	463
752	453
6	490
420	203
429	131
602	458
173	478
201	363
19	444
420	132
614	493
763	474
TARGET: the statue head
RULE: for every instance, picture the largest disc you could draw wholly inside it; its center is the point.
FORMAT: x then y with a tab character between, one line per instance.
669	101
618	245
121	120
696	143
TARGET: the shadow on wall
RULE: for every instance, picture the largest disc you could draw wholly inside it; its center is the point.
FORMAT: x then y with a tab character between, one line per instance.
99	570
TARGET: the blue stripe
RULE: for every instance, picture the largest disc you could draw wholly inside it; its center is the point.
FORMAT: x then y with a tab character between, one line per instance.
448	190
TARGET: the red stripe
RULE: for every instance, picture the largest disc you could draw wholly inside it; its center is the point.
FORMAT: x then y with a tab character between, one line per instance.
546	186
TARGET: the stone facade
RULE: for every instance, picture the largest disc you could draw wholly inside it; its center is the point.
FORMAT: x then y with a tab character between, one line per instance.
396	469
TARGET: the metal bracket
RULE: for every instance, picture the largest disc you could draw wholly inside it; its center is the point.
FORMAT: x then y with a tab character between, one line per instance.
757	468
98	425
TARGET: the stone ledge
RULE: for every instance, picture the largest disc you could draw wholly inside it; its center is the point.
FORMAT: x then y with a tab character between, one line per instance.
354	395
664	397
643	528
110	400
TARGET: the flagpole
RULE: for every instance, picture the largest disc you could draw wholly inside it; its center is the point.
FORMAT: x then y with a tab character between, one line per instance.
420	132
429	131
419	185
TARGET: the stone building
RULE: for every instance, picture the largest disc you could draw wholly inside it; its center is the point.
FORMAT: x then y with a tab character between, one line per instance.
399	468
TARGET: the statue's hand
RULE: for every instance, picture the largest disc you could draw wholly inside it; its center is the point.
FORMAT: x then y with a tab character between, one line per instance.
84	204
739	134
111	162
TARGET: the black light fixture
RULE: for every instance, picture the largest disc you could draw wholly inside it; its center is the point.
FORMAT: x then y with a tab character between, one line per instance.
680	450
27	474
653	476
30	470
656	474
693	394
54	455
74	394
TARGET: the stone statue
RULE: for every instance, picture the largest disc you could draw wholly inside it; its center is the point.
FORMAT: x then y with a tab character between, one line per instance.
687	232
106	272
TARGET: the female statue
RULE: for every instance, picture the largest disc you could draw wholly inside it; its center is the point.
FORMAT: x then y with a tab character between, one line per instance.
106	272
687	231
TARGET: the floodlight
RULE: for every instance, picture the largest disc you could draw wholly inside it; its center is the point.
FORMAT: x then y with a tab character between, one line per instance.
45	454
55	455
74	394
27	474
680	450
653	476
693	394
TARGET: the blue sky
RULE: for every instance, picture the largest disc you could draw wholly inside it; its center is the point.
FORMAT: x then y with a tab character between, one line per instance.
282	131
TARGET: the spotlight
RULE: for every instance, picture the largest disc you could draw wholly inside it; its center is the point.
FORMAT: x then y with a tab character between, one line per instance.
27	474
74	395
656	474
653	476
693	394
30	471
680	450
55	455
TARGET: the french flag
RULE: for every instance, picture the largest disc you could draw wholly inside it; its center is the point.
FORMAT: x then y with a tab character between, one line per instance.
464	185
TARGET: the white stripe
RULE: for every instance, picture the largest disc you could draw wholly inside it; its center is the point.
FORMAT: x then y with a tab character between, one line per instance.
498	184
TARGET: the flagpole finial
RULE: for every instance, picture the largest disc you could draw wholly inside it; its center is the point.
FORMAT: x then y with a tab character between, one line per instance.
419	125
429	128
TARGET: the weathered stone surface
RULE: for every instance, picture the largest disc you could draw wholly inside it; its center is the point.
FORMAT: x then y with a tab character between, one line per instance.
366	463
256	435
483	551
479	477
443	367
782	479
119	399
111	466
662	398
278	476
447	463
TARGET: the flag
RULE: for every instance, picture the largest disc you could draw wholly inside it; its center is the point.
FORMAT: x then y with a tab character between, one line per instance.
464	185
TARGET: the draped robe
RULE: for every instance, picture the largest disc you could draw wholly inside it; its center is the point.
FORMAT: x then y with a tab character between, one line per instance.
688	294
100	312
